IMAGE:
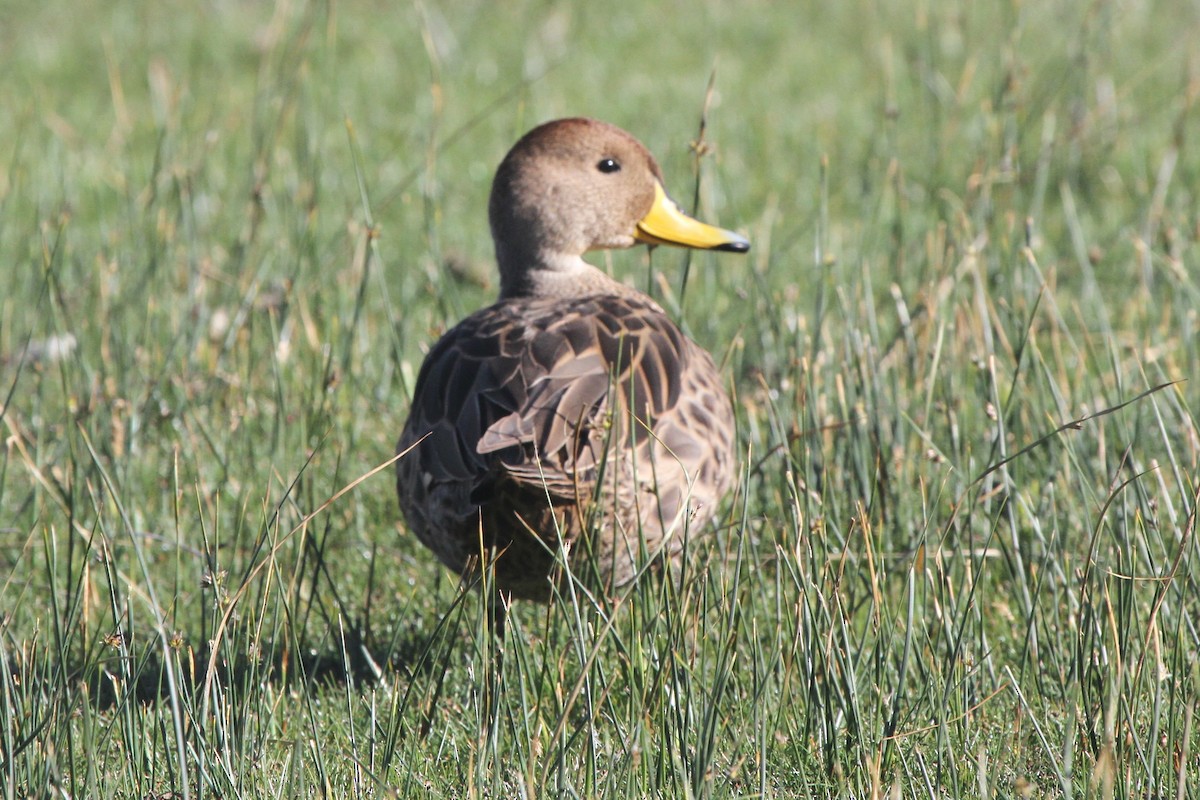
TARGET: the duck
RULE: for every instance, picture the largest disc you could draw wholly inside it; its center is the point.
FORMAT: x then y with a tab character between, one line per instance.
570	428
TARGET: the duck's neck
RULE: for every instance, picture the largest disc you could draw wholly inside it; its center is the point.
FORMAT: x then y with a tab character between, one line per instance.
552	275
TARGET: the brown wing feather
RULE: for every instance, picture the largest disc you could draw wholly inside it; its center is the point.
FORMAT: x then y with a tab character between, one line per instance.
521	406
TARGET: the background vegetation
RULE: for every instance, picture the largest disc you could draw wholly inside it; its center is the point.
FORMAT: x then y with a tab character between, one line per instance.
229	230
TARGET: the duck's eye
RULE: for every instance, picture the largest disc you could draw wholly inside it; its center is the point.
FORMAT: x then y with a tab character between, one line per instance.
608	165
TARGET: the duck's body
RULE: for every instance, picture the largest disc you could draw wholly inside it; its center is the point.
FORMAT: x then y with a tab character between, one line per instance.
572	415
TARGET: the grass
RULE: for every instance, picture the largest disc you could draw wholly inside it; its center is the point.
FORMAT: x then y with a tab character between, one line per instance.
228	232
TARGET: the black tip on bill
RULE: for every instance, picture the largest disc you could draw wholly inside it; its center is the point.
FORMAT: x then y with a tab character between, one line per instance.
736	246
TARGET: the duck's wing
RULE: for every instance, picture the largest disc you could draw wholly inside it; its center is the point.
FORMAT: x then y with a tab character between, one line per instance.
540	392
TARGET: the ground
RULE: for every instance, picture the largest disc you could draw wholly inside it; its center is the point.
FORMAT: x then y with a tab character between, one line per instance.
961	557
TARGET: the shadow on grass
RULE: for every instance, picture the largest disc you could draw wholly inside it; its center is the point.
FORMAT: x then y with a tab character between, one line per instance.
149	674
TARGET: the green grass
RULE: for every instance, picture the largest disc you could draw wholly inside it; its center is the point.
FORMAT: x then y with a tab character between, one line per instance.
971	224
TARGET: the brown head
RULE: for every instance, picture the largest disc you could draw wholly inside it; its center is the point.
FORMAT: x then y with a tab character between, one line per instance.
575	185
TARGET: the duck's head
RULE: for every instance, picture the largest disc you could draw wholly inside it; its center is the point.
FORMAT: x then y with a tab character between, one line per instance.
575	185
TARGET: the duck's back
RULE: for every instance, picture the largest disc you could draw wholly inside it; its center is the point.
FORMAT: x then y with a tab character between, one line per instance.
591	421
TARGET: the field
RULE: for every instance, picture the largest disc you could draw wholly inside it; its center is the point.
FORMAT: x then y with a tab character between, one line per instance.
961	559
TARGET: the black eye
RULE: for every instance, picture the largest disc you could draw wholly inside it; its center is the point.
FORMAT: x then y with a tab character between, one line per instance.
608	165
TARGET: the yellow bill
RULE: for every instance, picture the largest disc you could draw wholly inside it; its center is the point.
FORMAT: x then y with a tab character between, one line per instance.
666	224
